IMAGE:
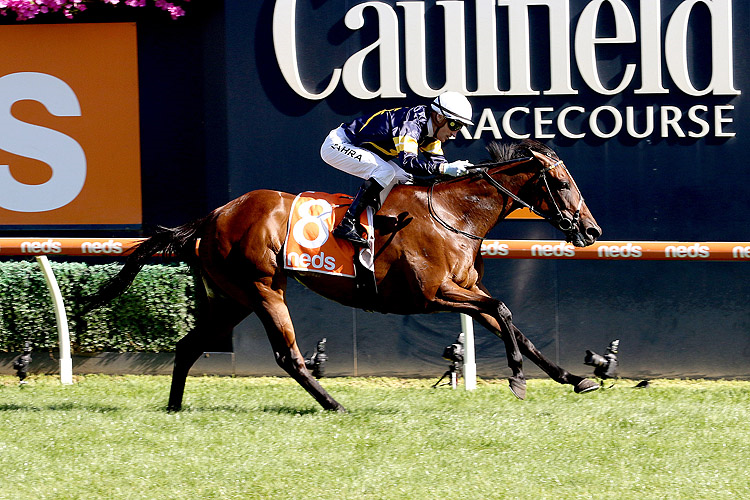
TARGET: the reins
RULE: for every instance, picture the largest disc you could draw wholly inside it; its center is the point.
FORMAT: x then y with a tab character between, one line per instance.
435	216
563	223
483	171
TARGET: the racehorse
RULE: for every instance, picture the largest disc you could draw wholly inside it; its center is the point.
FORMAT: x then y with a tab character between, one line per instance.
427	261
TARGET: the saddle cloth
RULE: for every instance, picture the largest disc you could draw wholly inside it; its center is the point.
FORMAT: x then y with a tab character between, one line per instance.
309	244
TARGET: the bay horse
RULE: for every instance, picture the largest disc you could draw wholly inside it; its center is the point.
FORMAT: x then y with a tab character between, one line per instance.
427	262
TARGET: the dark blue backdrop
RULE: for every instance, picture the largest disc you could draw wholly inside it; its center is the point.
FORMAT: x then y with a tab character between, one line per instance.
673	318
219	119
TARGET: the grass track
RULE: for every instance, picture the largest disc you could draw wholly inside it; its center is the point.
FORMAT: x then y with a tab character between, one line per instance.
265	438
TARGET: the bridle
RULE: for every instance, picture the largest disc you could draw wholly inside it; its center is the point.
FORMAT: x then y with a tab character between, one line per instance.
565	224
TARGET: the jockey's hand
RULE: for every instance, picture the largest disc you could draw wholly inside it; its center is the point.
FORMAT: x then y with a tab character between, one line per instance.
455	168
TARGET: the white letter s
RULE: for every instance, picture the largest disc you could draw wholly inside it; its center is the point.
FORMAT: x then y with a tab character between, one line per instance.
62	153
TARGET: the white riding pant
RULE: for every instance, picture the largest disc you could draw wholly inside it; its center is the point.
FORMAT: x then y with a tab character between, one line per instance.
339	153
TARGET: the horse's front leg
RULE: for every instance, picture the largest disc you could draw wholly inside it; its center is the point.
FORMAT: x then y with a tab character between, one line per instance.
528	349
495	316
506	330
556	372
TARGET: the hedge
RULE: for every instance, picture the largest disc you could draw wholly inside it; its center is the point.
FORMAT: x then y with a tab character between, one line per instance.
151	316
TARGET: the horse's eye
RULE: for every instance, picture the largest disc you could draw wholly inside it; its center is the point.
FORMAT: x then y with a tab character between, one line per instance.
564	185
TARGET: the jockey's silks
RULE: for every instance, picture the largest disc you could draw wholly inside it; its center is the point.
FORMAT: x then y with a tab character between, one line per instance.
399	133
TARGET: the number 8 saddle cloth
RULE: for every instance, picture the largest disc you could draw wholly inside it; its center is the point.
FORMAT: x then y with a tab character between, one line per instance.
310	245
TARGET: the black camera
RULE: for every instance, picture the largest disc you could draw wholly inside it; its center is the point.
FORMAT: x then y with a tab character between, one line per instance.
317	362
455	354
455	351
604	366
21	364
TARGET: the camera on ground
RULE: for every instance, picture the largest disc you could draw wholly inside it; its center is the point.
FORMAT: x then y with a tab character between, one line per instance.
317	362
604	366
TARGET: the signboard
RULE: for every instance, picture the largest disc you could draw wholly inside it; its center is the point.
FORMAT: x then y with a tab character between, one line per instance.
629	92
645	63
69	128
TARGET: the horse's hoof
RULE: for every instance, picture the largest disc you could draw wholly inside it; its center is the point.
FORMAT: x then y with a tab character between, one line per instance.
586	385
518	388
334	406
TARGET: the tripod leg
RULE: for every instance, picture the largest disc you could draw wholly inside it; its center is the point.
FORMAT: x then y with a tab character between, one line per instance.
441	379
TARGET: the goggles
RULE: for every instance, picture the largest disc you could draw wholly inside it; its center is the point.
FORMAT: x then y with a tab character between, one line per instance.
455	125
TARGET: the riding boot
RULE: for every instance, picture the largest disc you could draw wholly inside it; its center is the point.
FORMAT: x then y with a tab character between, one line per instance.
347	229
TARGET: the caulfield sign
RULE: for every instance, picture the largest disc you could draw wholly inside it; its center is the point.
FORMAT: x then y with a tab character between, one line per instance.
654	35
69	132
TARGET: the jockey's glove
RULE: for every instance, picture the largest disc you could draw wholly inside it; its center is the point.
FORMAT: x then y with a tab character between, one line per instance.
455	168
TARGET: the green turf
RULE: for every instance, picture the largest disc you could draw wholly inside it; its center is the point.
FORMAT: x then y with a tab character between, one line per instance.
247	438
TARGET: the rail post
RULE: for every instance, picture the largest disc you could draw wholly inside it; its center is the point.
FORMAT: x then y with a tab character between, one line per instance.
66	362
470	364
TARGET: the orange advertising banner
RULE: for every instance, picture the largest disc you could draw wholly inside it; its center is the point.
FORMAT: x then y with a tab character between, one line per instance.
79	247
619	250
69	125
737	251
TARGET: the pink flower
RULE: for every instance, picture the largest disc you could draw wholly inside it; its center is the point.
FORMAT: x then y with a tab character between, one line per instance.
28	9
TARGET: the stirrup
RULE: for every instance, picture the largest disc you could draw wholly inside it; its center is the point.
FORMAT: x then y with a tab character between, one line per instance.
347	230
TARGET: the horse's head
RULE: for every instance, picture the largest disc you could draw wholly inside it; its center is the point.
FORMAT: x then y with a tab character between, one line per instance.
551	190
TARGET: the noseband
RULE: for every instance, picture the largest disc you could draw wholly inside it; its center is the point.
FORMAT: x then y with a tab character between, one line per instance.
564	224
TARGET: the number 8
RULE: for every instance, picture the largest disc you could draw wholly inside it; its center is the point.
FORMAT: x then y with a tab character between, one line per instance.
306	215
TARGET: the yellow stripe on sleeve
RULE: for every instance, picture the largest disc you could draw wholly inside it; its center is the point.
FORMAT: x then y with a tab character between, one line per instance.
406	144
433	148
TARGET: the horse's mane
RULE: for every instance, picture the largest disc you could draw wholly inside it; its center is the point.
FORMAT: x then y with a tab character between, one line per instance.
504	151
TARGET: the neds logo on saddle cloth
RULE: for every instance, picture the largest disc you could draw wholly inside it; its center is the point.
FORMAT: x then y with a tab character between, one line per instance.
309	245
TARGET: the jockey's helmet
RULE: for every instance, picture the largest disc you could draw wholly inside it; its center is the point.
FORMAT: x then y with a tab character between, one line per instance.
453	105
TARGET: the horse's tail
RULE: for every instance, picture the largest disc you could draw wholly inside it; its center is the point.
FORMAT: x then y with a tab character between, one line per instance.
178	241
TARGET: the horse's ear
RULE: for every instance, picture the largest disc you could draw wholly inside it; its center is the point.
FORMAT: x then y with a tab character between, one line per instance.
535	146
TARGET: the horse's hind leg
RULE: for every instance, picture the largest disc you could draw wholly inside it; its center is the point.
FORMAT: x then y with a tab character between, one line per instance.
274	314
189	349
215	321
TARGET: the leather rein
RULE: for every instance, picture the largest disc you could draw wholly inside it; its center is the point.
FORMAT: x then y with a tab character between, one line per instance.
564	224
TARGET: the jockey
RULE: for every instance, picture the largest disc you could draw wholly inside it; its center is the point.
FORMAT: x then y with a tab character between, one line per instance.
383	148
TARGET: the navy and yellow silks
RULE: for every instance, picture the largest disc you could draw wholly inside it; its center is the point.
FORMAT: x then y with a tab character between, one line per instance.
399	133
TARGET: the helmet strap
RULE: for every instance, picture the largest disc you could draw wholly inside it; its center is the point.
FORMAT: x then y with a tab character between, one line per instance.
437	121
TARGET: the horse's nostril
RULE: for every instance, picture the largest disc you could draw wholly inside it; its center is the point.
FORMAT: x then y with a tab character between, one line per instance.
593	232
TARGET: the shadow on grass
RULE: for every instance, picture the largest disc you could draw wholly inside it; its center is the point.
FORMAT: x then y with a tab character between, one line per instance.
59	407
378	410
272	409
289	410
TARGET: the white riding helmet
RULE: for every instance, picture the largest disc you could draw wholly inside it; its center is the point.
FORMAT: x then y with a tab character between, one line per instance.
453	105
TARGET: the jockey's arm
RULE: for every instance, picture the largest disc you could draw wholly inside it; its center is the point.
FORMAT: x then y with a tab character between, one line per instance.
425	165
410	141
